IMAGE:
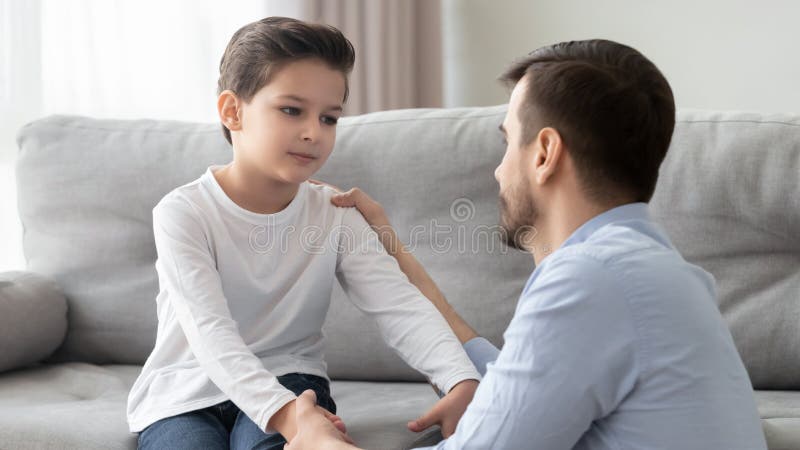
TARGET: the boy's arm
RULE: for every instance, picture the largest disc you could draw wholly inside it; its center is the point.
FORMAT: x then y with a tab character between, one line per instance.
375	215
188	272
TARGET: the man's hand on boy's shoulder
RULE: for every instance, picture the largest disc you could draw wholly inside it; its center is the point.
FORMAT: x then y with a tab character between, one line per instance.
371	210
448	411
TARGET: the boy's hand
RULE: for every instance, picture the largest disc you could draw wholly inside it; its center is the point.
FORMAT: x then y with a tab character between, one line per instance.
448	411
315	430
284	421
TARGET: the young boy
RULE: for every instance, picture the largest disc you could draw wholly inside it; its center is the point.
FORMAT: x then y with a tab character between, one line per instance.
247	255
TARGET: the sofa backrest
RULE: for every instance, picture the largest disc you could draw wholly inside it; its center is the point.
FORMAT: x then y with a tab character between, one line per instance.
728	196
87	188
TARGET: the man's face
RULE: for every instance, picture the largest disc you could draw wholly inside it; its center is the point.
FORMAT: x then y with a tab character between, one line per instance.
518	210
289	127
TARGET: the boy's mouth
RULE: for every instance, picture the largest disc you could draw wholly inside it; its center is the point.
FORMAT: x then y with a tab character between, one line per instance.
303	158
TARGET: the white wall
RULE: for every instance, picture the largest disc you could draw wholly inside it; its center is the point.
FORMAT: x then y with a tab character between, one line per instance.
716	54
105	59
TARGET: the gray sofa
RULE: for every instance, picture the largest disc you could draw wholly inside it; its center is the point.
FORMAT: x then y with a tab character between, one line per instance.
78	323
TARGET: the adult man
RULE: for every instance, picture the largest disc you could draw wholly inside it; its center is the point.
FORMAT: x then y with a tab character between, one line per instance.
616	342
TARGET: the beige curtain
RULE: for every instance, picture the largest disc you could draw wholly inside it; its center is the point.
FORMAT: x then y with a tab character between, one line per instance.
398	47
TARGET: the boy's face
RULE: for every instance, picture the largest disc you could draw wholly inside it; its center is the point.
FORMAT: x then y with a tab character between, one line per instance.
289	127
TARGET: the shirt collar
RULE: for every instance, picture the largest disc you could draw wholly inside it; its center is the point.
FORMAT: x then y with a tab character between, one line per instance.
630	211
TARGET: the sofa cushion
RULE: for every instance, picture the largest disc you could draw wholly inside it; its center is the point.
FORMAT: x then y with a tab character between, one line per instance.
66	406
86	190
33	319
780	413
82	406
729	198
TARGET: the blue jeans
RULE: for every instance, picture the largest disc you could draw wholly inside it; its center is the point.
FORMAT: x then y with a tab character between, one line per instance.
224	426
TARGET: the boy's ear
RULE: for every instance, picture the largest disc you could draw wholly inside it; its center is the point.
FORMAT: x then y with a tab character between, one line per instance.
228	106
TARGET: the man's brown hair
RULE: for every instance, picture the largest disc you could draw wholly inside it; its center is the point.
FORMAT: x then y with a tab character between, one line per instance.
259	49
612	107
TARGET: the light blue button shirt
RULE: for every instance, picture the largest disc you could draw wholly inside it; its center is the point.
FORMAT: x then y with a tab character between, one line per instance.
616	343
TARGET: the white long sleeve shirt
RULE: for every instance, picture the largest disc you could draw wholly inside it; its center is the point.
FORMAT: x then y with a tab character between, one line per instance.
243	297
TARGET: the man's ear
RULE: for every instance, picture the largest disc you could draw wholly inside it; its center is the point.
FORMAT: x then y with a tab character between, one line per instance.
548	154
228	107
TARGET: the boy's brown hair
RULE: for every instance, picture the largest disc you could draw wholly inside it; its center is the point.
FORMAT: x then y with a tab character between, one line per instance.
259	49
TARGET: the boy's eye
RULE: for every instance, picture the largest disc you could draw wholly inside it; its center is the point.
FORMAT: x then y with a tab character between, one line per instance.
291	110
330	120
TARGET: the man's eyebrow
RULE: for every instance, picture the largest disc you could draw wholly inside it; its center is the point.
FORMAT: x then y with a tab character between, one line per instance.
302	100
502	129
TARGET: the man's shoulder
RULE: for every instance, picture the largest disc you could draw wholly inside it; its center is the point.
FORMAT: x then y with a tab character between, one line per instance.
627	251
620	242
609	262
575	272
642	263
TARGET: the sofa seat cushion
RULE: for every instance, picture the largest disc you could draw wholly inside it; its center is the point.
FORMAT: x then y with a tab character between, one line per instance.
780	416
82	406
66	406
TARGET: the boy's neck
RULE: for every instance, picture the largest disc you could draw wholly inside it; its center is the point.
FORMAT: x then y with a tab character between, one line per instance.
253	191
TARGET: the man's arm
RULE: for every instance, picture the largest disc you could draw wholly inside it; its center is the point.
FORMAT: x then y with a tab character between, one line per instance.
569	359
408	322
376	217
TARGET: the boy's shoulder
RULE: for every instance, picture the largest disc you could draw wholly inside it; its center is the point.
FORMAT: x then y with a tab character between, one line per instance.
318	197
180	200
319	203
320	191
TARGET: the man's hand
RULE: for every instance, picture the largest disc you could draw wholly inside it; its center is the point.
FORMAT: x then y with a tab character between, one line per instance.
316	431
284	421
376	217
371	210
448	411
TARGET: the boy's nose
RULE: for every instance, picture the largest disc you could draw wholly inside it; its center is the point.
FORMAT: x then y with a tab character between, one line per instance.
311	131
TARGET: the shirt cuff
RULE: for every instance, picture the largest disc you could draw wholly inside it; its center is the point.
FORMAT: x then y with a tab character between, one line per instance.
481	352
270	411
459	377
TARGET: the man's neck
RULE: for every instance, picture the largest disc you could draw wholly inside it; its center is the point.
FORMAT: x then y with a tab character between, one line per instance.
253	191
557	224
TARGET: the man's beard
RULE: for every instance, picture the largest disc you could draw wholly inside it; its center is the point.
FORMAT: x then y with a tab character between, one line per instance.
518	213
